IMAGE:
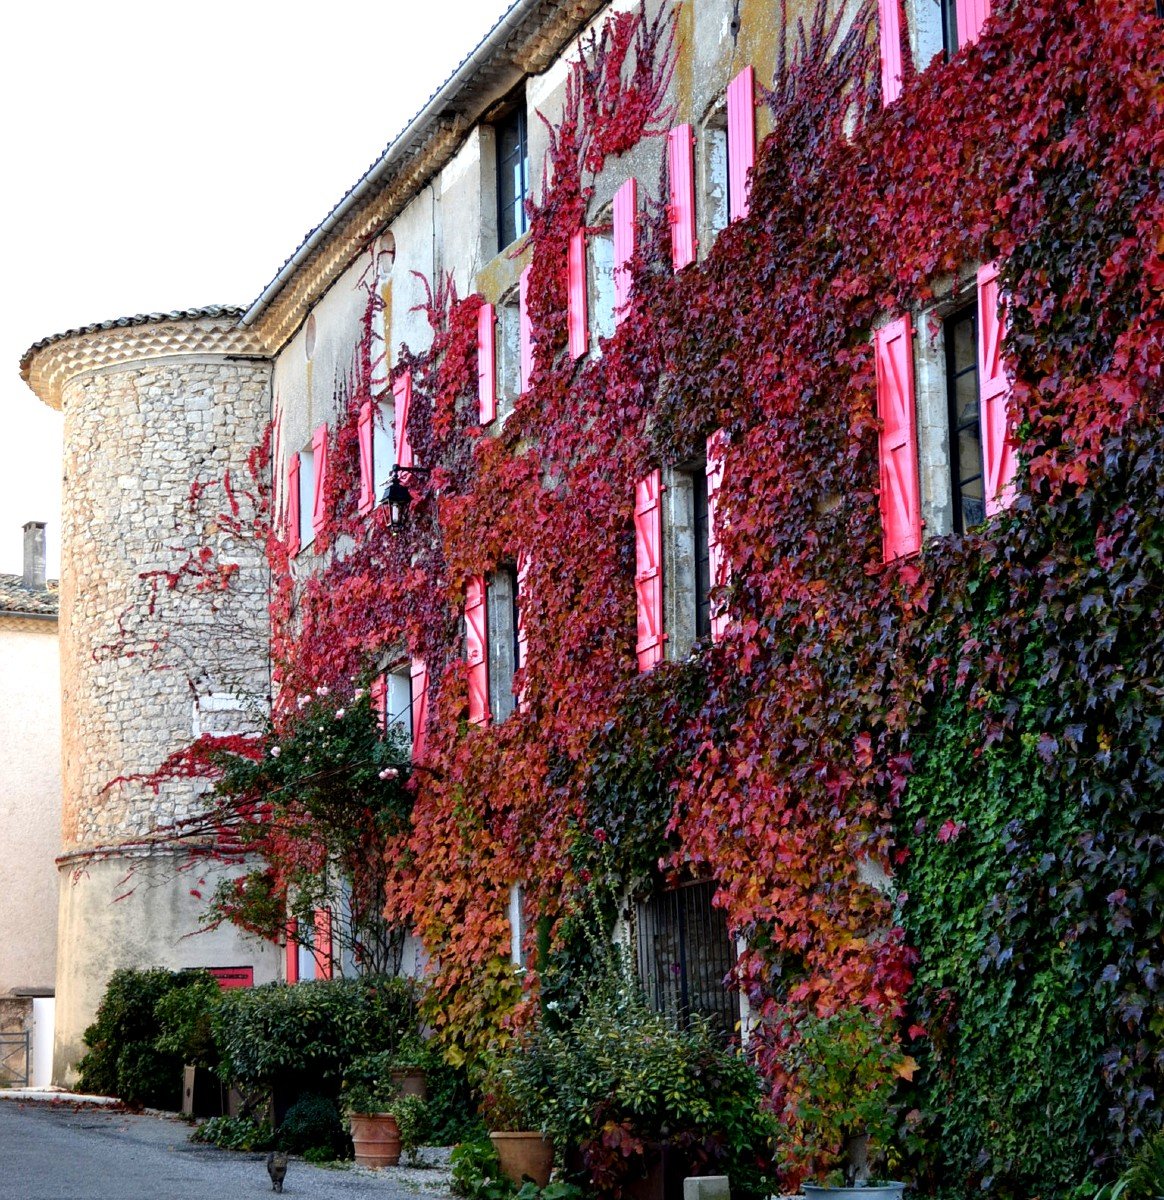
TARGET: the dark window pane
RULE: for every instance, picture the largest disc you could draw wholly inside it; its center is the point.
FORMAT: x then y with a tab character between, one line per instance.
512	178
702	561
950	26
961	333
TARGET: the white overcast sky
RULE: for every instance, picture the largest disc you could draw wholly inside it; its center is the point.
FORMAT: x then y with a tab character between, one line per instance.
161	155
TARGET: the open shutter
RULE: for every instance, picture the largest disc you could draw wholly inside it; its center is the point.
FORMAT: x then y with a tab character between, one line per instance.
998	457
972	16
681	213
324	947
900	509
319	468
525	327
625	215
486	363
477	650
522	640
379	696
741	114
719	568
291	504
365	430
291	952
890	15
402	395
649	569
419	707
576	317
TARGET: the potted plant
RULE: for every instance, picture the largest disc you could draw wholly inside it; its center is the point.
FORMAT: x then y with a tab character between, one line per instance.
635	1104
369	1099
523	1151
409	1062
844	1069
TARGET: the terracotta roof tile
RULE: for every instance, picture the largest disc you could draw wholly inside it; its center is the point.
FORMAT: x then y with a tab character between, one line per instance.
26	601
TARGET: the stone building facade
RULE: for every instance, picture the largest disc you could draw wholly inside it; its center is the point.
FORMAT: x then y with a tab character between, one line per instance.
153	403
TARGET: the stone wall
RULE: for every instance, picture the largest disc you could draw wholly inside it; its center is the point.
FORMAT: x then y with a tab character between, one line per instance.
140	652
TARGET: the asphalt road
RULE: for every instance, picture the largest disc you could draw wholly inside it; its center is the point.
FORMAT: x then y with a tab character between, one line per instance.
62	1152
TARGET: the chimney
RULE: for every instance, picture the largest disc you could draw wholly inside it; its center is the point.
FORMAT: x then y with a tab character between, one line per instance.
34	556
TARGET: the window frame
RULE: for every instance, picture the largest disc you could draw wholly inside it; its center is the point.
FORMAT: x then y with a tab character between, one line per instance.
511	212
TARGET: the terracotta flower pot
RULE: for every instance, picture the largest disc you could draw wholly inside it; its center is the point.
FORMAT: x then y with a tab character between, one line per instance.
524	1156
410	1081
376	1138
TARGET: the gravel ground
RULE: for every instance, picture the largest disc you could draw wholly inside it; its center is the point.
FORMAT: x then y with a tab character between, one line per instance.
65	1150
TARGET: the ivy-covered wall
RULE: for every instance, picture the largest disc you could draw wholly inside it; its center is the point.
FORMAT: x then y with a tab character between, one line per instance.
981	722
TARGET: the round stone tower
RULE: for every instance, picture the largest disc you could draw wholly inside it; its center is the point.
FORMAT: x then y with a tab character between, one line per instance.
163	636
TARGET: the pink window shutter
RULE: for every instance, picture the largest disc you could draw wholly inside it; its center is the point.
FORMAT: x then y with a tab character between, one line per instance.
364	431
720	568
890	15
402	395
291	505
625	216
319	469
577	322
900	509
649	569
681	213
419	680
324	948
741	113
477	650
291	952
379	696
486	363
998	454
522	639
972	15
525	323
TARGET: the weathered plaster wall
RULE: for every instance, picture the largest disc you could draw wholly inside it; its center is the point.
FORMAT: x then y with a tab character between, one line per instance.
127	911
30	800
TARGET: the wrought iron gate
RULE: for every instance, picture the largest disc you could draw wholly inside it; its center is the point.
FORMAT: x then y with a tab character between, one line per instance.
14	1059
684	955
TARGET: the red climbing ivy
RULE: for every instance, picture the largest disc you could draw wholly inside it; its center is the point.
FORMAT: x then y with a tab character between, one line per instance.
775	761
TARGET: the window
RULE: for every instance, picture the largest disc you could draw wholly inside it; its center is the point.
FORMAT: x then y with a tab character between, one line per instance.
508	333
699	525
600	248
512	177
501	612
715	175
966	475
684	955
306	496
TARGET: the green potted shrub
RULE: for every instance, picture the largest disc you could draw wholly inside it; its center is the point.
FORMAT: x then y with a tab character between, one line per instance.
634	1103
369	1096
509	1108
840	1115
410	1061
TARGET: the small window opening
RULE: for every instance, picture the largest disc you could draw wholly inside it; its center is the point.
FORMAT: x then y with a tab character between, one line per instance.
512	177
306	496
501	613
716	198
699	524
966	472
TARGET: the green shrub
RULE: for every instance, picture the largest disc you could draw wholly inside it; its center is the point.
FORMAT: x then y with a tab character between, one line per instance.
303	1037
313	1123
620	1079
185	1027
477	1176
126	1058
235	1133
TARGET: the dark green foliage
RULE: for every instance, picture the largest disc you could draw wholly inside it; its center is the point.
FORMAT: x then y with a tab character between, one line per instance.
235	1133
302	1037
146	1024
313	1123
477	1176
